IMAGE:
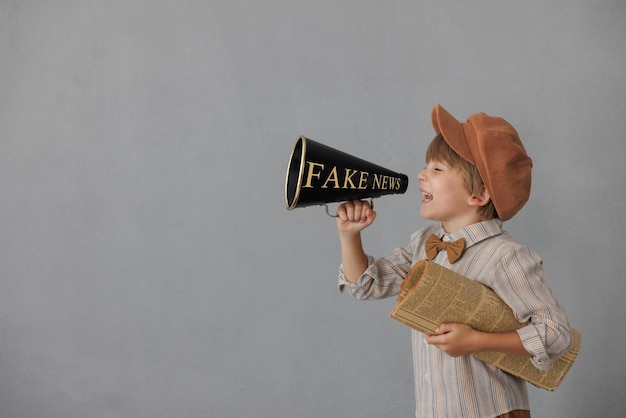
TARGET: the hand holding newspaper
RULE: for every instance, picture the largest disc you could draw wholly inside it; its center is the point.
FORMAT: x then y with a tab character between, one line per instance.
432	295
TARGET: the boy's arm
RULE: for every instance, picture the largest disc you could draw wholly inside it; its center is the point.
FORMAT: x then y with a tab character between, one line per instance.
518	280
458	340
352	218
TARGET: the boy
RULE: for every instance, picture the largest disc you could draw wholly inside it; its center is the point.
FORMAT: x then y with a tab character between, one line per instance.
477	176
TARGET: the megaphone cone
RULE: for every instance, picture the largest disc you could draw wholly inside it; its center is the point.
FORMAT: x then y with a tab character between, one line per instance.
318	174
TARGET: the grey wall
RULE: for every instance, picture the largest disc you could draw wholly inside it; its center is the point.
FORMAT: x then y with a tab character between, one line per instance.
148	266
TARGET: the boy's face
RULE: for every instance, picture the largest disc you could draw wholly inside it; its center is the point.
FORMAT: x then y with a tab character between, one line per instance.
445	197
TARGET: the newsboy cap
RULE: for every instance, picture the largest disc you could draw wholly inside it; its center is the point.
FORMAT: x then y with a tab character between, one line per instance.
494	147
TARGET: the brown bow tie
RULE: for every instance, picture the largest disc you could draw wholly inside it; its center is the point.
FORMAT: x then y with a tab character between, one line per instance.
454	249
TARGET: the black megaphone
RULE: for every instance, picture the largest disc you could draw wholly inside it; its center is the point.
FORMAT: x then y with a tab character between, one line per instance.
318	174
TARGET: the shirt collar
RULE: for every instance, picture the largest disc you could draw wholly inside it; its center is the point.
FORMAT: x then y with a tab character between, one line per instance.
474	233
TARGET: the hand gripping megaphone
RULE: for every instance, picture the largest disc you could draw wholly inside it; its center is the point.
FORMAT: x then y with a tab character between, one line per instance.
318	174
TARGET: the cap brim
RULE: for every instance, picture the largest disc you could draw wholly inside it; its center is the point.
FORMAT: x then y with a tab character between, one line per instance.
452	131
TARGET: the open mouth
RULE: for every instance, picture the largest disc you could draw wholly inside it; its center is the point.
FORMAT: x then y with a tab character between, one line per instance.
426	197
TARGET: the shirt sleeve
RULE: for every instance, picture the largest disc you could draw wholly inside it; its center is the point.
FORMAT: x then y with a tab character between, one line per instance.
518	280
382	278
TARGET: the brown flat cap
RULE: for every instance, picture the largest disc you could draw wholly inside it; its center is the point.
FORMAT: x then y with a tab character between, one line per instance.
493	146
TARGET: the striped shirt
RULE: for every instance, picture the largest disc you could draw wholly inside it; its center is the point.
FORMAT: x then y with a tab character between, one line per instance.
464	386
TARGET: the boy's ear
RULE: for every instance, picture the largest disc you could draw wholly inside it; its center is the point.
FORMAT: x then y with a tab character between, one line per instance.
480	199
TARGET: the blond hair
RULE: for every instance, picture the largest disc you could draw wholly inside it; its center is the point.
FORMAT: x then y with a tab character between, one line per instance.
439	150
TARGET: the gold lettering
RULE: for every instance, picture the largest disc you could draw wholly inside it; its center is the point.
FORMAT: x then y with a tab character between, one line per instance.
376	181
363	180
385	184
311	173
332	177
348	179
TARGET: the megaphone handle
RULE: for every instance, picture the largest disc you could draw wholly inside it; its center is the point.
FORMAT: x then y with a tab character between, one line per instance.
328	212
335	215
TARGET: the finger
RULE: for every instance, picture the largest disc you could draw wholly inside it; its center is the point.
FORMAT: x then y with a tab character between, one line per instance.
433	339
349	210
358	208
363	212
358	214
370	215
341	212
367	213
442	329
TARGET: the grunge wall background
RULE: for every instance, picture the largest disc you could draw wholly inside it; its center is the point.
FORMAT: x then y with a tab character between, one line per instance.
148	266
